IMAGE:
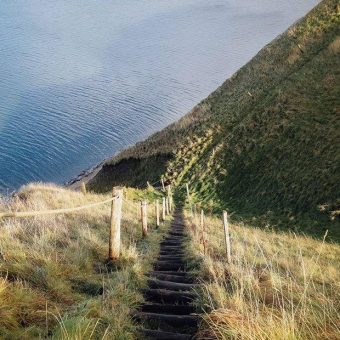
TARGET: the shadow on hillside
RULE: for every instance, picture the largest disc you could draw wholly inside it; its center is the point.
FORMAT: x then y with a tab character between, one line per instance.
131	172
302	224
315	226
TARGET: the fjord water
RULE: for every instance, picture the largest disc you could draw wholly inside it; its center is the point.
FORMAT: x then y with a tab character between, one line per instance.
82	79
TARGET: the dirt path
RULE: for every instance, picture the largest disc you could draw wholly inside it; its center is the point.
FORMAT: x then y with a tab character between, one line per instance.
168	312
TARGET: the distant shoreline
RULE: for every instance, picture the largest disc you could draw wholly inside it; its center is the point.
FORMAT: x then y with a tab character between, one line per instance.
85	176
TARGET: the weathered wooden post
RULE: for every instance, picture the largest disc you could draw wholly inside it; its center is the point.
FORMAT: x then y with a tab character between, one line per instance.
157	213
83	188
189	200
226	235
163	209
167	205
116	215
144	214
169	198
203	230
188	193
170	203
163	187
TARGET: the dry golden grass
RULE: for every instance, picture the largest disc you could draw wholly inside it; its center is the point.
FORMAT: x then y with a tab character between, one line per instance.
54	278
278	286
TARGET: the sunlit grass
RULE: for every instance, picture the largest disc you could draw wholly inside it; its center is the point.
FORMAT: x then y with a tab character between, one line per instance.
54	276
278	286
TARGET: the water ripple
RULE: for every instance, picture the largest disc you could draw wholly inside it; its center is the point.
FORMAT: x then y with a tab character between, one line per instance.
79	81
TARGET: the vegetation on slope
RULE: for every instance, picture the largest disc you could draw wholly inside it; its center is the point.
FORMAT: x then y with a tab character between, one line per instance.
278	285
54	278
266	143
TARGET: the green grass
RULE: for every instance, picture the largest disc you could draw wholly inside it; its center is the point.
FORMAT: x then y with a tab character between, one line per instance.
266	143
55	280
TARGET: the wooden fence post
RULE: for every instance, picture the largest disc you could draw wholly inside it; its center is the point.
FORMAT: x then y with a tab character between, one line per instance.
116	215
163	209
163	187
169	197
189	199
157	213
144	214
83	188
167	205
226	235
188	194
203	230
170	203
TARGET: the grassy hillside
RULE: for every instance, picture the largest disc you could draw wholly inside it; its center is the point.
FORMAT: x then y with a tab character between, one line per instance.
55	281
278	285
265	143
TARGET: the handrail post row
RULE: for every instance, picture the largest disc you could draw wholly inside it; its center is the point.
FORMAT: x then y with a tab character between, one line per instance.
144	218
116	215
227	235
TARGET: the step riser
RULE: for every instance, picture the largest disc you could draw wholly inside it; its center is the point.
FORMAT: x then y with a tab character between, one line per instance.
170	272
159	335
172	320
173	278
170	258
166	253
158	284
173	297
168	309
169	266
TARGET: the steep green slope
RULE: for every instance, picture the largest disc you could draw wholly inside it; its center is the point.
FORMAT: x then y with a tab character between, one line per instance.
266	143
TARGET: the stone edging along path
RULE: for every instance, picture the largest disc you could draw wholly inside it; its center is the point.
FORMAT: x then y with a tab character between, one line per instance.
168	312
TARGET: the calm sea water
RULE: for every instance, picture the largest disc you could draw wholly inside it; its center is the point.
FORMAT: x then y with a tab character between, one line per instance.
82	79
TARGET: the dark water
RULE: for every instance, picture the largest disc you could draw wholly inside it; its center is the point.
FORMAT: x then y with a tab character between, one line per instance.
82	79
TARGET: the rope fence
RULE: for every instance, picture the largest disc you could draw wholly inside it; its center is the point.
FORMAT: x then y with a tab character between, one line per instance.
20	214
116	213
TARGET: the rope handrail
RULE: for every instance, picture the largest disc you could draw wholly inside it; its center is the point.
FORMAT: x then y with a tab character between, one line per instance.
53	211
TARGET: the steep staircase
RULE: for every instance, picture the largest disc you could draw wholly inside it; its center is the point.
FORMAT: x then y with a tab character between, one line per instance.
169	313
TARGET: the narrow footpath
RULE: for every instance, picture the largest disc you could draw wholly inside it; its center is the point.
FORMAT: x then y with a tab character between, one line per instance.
169	313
